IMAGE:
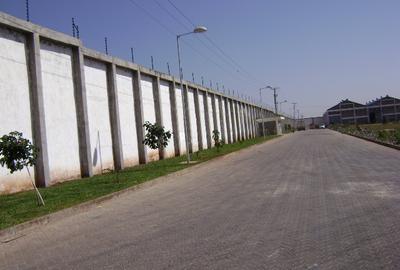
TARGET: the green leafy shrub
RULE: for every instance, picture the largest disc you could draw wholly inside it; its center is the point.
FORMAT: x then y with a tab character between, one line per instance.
217	140
16	152
156	136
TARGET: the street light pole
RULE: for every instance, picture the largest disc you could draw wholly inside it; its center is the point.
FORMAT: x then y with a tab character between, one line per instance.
280	105
294	114
275	96
198	29
262	112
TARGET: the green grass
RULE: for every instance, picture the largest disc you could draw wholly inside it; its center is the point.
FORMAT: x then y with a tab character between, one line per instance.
20	207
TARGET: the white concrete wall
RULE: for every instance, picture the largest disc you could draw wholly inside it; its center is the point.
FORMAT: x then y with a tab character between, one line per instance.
203	119
230	119
60	113
234	122
166	116
98	116
218	116
149	113
126	110
15	114
225	125
193	121
181	126
211	118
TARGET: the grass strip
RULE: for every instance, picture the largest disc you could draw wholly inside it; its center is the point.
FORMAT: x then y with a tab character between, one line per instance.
21	207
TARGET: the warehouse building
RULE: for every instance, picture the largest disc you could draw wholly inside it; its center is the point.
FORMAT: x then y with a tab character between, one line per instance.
384	109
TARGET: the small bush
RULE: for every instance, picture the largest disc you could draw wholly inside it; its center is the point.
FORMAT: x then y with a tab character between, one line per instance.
217	141
156	136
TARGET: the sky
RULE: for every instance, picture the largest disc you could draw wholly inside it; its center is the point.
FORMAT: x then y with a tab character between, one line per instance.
317	52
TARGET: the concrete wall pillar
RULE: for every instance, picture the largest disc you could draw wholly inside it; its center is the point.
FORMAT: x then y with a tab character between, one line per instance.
221	118
234	136
246	121
207	115
137	94
157	108
198	119
174	117
239	133
78	74
228	123
188	133
214	113
114	117
42	173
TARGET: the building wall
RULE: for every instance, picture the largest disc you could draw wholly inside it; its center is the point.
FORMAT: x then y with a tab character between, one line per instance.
149	113
193	121
77	102
60	113
166	116
181	124
15	114
203	119
98	116
126	107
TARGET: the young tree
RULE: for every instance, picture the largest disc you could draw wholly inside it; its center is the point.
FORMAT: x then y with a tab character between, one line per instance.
16	152
156	136
217	141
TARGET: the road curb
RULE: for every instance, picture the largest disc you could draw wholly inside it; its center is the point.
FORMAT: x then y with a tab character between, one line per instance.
15	232
372	140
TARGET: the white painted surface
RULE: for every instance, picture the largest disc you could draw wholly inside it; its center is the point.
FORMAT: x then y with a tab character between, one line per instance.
224	116
60	113
193	121
203	119
218	116
149	113
98	116
15	114
166	116
230	119
181	127
126	110
234	122
211	118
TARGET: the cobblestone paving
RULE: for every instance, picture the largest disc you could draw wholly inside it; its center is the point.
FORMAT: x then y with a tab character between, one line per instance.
311	200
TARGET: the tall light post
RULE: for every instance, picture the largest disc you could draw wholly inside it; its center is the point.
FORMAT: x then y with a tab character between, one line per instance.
262	112
280	105
198	29
275	96
294	114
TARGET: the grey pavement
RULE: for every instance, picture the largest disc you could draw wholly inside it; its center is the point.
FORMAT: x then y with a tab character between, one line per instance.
311	200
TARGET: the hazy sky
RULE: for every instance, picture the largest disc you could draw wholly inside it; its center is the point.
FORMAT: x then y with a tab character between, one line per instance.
318	52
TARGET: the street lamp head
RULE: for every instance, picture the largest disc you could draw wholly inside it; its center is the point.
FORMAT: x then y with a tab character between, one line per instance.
200	29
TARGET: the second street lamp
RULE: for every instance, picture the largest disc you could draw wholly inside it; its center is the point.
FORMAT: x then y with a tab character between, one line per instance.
198	29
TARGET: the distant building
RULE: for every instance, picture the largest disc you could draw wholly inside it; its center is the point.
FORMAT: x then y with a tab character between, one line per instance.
384	109
313	122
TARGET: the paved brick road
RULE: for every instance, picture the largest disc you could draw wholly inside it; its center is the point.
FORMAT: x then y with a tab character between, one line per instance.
312	200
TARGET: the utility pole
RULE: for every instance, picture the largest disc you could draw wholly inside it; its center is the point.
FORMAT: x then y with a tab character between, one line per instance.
275	96
294	114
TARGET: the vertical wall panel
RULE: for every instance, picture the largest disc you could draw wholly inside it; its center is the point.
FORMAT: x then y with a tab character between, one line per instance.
15	114
166	116
193	121
127	117
60	112
98	116
224	112
232	126
236	120
210	117
203	119
181	126
149	113
217	101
